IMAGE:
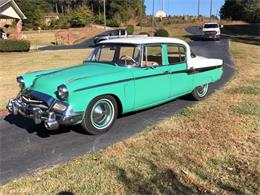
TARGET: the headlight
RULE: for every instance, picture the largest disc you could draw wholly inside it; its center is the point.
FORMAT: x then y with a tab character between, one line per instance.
20	82
59	107
62	92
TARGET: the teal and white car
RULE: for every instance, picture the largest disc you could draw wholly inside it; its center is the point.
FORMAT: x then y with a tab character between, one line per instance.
120	76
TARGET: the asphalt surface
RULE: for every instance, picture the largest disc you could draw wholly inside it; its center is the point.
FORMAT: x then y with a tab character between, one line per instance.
26	147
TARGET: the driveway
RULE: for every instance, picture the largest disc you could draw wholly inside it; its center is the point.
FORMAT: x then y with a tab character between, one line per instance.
26	147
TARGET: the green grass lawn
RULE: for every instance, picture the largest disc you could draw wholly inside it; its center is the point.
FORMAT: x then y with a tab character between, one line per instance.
175	30
45	37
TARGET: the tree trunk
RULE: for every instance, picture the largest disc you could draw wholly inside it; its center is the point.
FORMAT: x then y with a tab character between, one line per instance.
62	9
56	7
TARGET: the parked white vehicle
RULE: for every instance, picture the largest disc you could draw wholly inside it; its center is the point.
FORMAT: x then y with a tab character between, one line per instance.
118	33
211	31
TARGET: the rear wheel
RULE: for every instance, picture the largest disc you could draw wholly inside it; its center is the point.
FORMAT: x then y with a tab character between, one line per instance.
100	115
200	92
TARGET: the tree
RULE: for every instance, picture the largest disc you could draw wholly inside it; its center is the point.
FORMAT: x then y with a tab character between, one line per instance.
33	12
80	17
246	10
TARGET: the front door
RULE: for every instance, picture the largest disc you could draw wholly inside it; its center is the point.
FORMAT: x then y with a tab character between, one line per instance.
152	79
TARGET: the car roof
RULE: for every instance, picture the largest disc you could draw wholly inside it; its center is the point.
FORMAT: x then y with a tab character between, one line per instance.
145	40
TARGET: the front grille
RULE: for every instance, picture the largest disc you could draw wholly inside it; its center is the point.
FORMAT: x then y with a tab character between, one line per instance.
210	32
32	102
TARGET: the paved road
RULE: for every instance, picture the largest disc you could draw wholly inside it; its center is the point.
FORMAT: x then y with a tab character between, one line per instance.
25	147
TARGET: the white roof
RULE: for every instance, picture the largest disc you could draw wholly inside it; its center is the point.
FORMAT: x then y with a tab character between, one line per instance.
145	40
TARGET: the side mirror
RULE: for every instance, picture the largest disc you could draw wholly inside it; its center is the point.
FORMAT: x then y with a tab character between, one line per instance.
221	26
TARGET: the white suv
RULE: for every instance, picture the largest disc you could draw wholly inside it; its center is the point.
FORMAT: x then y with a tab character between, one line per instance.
211	31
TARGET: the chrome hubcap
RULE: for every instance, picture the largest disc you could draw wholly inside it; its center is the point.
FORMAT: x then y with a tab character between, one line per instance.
102	114
202	90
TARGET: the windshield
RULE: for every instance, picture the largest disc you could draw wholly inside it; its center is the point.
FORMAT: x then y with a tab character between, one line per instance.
117	54
210	26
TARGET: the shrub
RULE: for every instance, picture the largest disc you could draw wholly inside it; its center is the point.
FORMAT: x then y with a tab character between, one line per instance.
14	45
144	33
113	23
130	29
161	33
80	17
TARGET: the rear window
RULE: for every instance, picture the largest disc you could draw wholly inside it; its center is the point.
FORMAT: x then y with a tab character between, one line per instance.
176	54
210	26
152	55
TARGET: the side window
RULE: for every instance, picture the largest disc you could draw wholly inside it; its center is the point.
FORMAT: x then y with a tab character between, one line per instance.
152	55
106	54
122	32
127	52
176	54
116	33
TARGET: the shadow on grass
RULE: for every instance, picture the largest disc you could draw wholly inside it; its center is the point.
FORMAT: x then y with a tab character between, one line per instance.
163	181
242	30
247	40
65	193
247	33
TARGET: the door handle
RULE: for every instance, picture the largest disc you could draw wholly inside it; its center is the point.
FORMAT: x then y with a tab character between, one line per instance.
167	72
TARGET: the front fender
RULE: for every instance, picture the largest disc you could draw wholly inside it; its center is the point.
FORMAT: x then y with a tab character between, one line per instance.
79	100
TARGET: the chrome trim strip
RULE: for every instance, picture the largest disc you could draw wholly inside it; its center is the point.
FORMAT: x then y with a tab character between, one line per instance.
190	71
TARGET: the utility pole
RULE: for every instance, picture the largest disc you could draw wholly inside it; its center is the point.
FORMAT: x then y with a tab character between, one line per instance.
126	8
99	15
153	19
105	22
210	12
141	15
162	5
198	8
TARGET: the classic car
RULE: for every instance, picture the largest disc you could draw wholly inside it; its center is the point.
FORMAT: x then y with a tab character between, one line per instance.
120	76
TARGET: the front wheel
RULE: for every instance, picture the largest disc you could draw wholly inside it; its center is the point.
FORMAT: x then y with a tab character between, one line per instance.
100	115
200	92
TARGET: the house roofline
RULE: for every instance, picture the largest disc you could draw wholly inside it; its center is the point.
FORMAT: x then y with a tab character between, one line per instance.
16	7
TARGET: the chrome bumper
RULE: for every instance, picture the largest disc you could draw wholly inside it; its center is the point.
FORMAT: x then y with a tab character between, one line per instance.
210	36
42	113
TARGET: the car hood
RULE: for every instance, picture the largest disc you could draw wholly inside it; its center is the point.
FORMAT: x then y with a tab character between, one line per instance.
48	82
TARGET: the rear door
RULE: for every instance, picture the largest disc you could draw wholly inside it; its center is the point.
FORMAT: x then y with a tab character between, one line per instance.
181	82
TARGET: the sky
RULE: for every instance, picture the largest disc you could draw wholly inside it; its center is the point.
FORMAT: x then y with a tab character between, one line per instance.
185	7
